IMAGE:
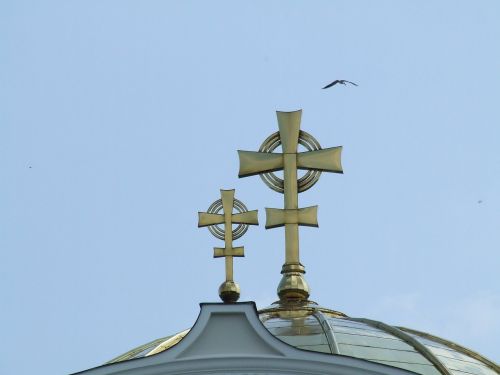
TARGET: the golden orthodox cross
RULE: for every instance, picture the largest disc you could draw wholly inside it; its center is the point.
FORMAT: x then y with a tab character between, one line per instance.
315	161
229	291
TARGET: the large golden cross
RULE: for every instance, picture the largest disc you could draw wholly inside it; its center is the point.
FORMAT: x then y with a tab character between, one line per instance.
292	285
229	290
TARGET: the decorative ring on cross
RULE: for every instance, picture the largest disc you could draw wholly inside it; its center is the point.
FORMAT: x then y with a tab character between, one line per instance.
305	182
216	230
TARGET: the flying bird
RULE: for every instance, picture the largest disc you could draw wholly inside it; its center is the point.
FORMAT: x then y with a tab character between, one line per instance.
341	81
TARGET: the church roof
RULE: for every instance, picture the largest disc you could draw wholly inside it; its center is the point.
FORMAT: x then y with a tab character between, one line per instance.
310	327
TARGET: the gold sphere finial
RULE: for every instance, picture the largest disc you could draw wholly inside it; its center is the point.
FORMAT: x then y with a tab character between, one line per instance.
293	285
229	292
221	212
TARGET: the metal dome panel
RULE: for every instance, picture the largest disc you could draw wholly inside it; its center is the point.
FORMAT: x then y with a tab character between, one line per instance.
458	361
311	327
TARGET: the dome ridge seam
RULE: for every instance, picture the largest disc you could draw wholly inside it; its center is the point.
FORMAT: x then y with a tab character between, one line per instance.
330	336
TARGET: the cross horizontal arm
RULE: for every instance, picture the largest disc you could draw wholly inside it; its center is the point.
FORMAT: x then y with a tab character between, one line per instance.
307	216
252	162
327	159
229	252
206	219
248	217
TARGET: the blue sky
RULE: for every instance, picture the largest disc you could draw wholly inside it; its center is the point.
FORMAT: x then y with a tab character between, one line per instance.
120	120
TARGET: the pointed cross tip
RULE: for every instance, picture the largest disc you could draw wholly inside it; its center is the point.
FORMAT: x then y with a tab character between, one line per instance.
298	110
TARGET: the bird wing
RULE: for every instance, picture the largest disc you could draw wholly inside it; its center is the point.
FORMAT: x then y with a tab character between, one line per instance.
331	84
352	83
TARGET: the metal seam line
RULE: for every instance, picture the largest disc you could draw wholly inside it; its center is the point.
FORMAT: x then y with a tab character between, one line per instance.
131	353
168	343
264	318
421	348
332	342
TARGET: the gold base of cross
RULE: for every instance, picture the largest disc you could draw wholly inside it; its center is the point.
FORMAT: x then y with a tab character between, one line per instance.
293	285
229	292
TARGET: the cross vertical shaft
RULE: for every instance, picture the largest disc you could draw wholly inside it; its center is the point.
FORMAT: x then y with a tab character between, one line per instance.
227	197
289	126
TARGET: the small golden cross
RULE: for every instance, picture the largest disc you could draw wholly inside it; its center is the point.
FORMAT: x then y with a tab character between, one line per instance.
293	285
229	291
